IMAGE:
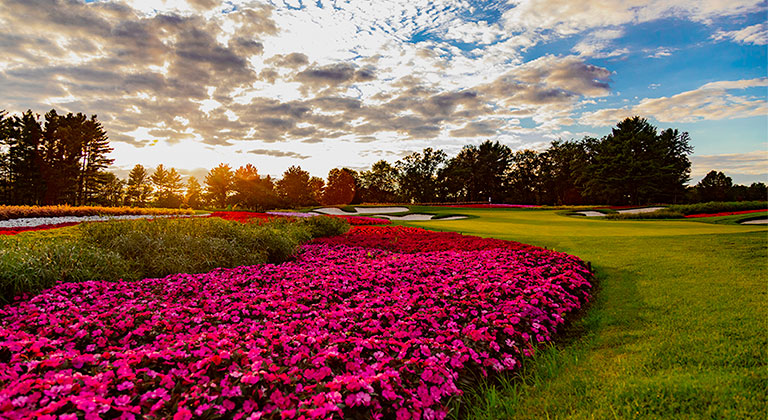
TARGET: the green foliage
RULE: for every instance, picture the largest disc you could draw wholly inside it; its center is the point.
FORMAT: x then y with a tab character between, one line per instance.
30	263
379	184
476	173
637	165
295	189
666	213
417	175
138	249
138	187
218	185
340	188
253	191
719	207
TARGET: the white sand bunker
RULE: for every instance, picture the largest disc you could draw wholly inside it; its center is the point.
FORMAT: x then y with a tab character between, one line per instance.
592	213
419	217
756	222
360	210
642	210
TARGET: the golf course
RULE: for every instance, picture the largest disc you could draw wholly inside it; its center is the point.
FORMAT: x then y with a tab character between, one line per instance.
676	328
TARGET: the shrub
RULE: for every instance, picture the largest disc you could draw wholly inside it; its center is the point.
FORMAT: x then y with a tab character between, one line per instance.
136	249
719	207
666	213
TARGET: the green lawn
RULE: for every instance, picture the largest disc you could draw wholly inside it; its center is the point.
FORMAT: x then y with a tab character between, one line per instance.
677	328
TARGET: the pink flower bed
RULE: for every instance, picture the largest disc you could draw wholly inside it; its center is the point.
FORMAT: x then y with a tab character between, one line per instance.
727	213
17	230
348	329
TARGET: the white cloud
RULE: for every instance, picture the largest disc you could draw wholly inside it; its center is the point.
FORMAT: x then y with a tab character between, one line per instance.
712	101
755	34
751	163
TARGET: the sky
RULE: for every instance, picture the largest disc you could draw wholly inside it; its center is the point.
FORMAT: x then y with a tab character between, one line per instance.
325	83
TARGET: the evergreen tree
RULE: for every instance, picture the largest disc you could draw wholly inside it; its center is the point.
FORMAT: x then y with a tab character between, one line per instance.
139	188
194	195
111	191
168	187
252	190
636	165
218	185
95	148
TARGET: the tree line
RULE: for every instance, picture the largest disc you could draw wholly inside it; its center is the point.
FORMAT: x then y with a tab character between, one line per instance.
58	160
63	159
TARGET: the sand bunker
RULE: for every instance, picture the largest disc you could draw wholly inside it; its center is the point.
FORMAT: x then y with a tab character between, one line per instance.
360	210
756	222
642	210
590	213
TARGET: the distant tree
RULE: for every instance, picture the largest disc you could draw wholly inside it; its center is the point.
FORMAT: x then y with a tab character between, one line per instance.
59	162
111	190
636	165
23	138
252	190
477	173
316	189
138	187
562	168
715	186
379	184
294	187
417	175
194	194
168	187
757	191
218	185
93	160
340	188
525	182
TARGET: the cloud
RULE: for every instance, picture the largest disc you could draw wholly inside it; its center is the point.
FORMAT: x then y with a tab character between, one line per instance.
712	101
567	17
292	60
334	75
277	153
751	163
597	44
659	52
755	34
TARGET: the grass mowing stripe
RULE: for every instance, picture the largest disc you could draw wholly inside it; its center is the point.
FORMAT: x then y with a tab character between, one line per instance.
677	329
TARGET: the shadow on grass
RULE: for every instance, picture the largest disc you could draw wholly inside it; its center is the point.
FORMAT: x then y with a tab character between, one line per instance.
500	395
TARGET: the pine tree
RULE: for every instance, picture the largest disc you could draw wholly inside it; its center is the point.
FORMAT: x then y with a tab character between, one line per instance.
218	185
139	188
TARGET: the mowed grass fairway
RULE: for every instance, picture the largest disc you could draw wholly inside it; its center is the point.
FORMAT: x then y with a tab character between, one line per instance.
677	328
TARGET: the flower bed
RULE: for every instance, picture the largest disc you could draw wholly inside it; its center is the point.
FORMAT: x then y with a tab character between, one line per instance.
726	213
249	217
20	212
17	230
348	329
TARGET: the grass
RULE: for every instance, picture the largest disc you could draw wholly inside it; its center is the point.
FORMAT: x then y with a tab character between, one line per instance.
676	329
132	250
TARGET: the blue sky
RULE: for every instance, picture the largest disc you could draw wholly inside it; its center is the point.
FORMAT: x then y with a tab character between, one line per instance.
321	84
